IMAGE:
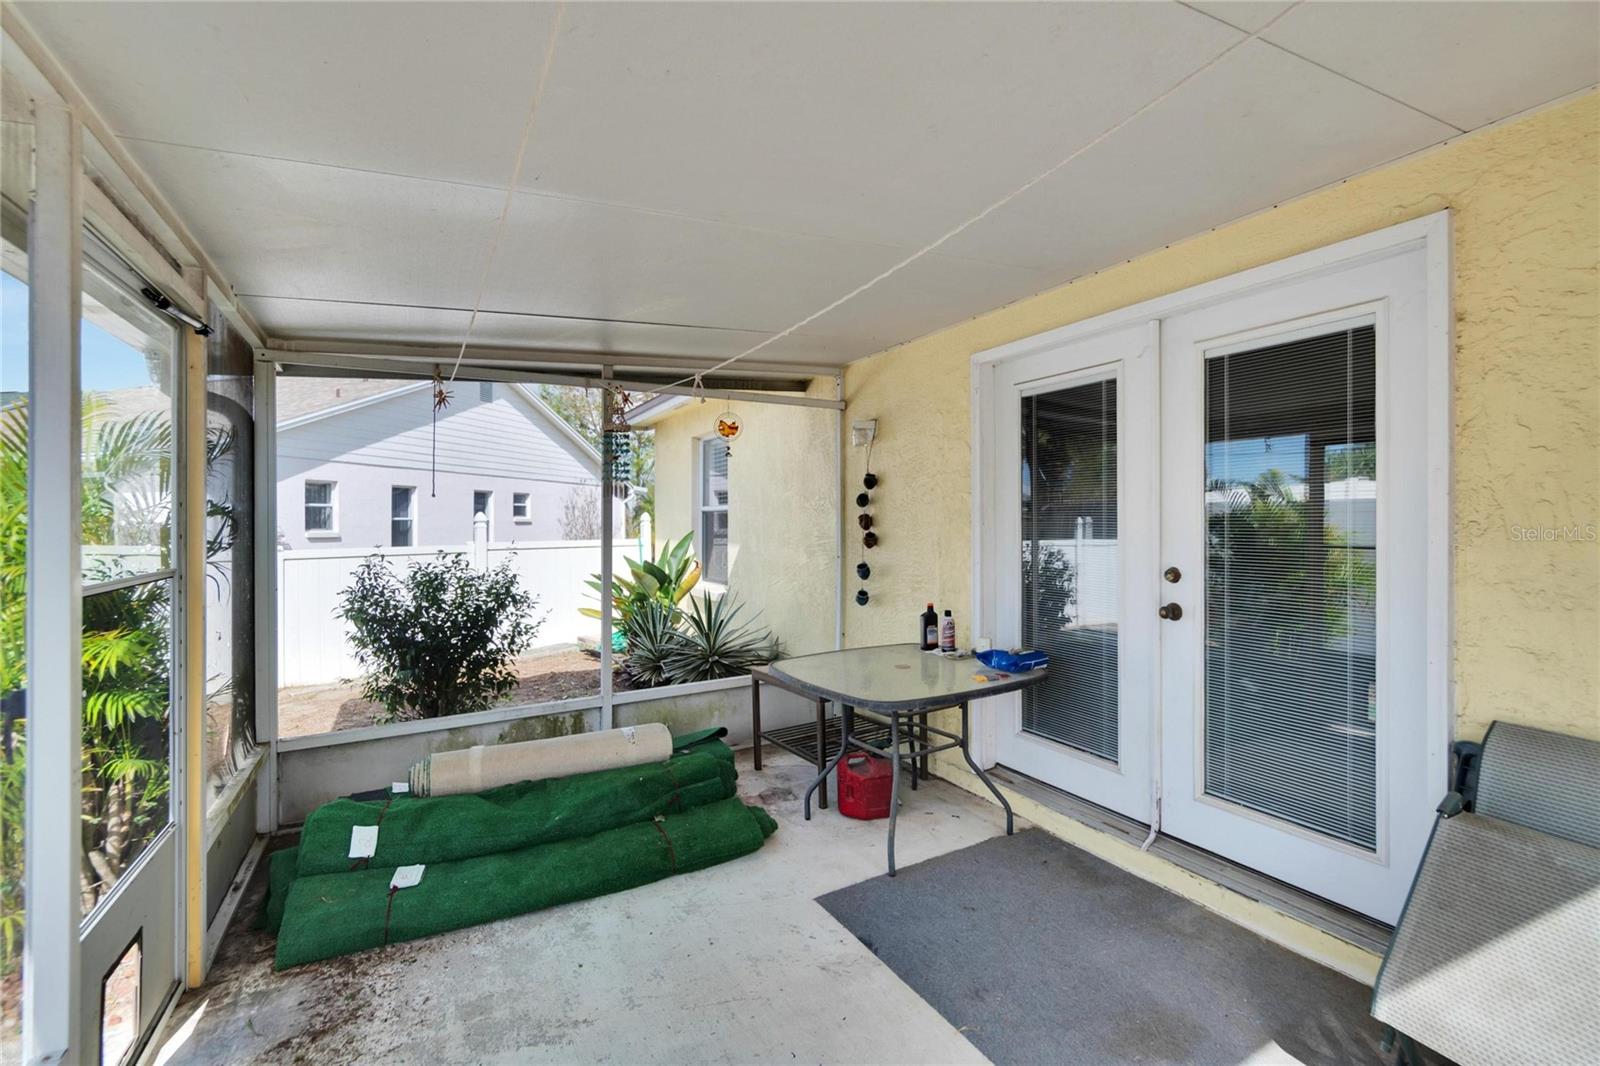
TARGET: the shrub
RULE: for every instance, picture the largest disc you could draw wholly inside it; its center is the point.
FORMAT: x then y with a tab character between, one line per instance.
713	644
439	640
666	580
651	634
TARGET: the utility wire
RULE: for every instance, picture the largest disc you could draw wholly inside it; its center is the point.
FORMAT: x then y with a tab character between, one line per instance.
511	187
698	377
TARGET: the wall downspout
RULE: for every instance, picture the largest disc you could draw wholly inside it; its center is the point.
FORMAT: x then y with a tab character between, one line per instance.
838	513
606	541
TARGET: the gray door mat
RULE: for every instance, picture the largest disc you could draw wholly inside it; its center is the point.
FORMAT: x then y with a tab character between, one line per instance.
1040	952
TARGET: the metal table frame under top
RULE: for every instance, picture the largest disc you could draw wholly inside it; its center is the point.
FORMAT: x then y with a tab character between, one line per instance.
865	722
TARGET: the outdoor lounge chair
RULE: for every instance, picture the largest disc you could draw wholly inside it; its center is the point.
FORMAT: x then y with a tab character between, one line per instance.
1497	954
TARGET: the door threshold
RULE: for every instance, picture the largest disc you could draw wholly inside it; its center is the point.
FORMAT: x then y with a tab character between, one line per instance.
1369	938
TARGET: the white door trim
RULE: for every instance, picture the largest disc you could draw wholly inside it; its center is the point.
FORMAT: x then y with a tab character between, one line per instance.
1432	234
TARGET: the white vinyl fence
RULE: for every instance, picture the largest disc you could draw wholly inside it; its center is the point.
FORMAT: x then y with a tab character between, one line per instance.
1098	565
314	642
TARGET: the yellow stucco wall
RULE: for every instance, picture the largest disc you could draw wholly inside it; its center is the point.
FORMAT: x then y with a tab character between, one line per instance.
781	518
1525	199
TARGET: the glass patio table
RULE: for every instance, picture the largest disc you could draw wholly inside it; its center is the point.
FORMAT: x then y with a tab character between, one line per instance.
894	687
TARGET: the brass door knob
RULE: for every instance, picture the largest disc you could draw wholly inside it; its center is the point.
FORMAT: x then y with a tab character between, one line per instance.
1172	574
1170	611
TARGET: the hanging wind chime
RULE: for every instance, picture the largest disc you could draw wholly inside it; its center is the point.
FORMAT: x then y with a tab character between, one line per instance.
441	400
617	435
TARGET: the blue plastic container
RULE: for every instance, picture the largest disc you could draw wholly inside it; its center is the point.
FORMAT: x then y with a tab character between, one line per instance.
1013	662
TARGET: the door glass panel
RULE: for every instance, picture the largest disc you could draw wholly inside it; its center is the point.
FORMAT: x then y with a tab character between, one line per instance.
16	145
1071	563
119	1007
127	679
230	558
128	353
1291	545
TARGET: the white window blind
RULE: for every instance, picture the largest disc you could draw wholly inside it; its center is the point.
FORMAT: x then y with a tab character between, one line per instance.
1291	532
402	516
319	506
1070	563
713	533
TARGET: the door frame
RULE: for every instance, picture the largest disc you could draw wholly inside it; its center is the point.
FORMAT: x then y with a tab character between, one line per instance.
1431	233
1130	356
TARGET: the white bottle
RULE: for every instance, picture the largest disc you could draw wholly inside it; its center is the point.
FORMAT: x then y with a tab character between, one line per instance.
947	633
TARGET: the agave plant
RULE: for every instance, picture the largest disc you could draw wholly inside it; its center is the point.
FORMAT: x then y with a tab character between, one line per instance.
652	635
713	643
666	579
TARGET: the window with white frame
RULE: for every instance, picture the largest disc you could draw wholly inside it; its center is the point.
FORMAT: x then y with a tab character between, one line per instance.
711	535
402	516
320	517
484	503
520	507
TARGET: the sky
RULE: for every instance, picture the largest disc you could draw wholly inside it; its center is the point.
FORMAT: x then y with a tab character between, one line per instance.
1248	459
107	362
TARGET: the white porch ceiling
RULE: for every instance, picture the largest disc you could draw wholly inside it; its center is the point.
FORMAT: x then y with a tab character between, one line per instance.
704	175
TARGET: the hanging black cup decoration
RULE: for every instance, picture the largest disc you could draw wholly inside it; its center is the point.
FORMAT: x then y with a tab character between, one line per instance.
862	597
862	499
870	481
870	539
864	521
863	571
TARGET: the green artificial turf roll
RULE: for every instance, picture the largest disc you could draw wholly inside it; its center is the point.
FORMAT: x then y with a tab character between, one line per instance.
707	740
335	914
281	867
439	829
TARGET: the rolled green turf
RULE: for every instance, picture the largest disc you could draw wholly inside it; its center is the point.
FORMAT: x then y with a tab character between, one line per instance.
439	829
336	914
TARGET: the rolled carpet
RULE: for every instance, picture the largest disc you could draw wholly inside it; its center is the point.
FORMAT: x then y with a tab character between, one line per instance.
336	914
449	828
485	766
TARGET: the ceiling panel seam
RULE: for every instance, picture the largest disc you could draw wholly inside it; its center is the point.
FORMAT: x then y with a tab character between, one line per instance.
1331	70
612	205
491	311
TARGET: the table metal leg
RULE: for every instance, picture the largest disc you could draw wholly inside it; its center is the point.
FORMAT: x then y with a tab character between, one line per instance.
755	717
844	745
981	775
911	742
894	781
822	750
923	768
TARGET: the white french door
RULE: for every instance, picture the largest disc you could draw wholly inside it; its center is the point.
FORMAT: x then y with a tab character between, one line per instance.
1294	506
1075	504
1225	517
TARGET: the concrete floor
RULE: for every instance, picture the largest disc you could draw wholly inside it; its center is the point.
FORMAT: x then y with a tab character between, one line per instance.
733	964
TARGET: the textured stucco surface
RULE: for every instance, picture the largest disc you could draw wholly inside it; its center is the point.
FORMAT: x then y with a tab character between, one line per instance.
781	519
1525	199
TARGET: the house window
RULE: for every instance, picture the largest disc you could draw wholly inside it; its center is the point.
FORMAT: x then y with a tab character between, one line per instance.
483	504
713	531
519	507
319	507
402	516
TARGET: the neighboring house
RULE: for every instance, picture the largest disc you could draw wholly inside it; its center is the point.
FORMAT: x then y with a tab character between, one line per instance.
766	526
356	466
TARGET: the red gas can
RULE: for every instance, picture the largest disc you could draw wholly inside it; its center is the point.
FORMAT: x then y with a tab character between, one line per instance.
865	784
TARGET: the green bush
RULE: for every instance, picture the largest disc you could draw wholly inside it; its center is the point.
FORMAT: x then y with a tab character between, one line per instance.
651	634
665	580
441	639
669	645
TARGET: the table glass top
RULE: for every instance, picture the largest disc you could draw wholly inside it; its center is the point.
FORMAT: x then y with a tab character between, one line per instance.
899	675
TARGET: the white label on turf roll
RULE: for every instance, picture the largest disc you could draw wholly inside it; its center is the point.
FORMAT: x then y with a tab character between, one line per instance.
629	734
400	788
406	876
363	841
